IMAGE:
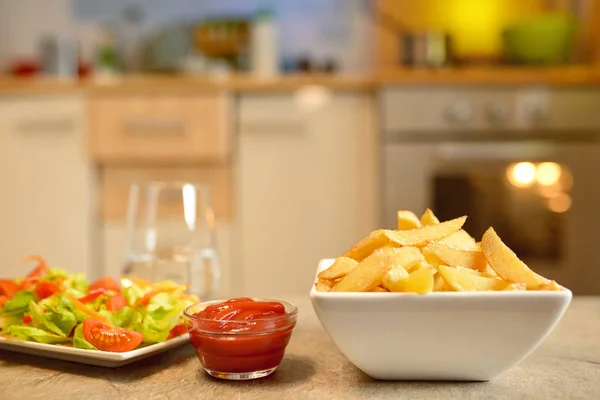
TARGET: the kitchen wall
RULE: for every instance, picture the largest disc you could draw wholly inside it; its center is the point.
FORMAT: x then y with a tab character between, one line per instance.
339	29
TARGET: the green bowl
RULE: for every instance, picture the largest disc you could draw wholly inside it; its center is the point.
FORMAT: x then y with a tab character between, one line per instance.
544	39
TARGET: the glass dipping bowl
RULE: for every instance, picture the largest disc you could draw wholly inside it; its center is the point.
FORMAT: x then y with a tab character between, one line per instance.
240	350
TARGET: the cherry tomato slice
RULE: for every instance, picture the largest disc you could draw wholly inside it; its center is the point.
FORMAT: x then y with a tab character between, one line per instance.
108	337
107	283
26	319
46	289
40	270
93	295
116	302
8	288
177	330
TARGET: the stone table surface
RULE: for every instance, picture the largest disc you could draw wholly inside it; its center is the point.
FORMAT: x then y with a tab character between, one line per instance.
565	366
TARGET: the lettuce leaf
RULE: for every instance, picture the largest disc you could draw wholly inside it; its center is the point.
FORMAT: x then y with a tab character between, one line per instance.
79	341
9	320
39	320
133	293
64	319
19	304
38	335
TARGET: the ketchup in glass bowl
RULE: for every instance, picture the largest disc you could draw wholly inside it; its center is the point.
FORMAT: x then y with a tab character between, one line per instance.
240	338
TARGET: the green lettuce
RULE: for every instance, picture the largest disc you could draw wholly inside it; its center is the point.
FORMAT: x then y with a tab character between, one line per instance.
133	293
39	320
36	334
64	319
79	341
19	304
9	320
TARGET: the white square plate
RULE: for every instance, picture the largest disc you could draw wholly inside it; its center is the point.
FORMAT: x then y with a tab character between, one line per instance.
91	357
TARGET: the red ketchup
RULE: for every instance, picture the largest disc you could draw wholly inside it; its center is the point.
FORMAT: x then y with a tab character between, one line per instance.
241	335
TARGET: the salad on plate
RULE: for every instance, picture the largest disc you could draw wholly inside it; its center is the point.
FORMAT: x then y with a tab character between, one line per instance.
56	307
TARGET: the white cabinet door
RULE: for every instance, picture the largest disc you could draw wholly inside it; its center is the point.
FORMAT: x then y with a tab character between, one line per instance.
46	199
308	188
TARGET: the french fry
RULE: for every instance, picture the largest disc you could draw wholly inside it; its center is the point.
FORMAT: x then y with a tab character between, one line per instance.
368	245
339	269
393	276
429	218
465	279
421	265
552	285
454	257
515	287
461	240
431	258
506	263
407	220
419	281
420	236
322	287
378	289
440	285
369	273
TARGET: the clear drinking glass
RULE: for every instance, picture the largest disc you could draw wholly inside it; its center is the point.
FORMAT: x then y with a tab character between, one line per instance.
170	235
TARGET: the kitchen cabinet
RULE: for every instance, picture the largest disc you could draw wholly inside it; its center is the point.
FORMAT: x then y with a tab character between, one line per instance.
307	184
47	198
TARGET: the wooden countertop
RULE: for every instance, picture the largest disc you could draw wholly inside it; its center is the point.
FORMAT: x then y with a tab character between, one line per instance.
551	76
179	84
566	365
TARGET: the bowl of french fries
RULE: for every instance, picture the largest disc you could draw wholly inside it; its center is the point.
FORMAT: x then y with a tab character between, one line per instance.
427	301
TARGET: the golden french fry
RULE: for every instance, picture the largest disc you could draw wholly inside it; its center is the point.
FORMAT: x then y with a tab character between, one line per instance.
393	276
340	268
368	245
552	285
460	239
506	263
420	265
420	236
430	257
429	218
488	270
407	220
478	245
407	256
516	286
368	273
465	279
322	287
378	289
419	281
454	257
440	285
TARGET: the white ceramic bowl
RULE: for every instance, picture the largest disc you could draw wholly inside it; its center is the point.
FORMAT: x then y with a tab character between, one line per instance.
468	336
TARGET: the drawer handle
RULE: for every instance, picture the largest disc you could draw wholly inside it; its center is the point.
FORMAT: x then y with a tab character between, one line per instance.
54	125
155	126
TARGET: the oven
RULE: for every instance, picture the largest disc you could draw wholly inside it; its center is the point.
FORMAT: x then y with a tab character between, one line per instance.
525	161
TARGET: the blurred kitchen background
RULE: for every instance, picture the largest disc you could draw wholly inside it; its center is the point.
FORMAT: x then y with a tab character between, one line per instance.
311	121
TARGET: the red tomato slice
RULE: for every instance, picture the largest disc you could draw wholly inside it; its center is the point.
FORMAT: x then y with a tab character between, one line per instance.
3	299
116	302
26	319
107	283
40	270
177	330
8	288
93	295
46	289
108	337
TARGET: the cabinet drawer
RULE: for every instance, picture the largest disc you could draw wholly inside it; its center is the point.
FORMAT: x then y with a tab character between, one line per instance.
116	181
165	128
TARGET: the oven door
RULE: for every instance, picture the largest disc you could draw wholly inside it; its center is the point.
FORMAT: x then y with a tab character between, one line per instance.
540	196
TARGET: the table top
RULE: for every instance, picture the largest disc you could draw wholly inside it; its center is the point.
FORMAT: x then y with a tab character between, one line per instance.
566	365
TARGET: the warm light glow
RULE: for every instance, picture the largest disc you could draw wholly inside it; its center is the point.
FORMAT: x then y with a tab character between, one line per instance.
521	174
548	173
560	203
312	97
550	191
